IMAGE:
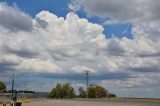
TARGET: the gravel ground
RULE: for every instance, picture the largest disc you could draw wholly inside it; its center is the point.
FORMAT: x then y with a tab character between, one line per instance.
83	102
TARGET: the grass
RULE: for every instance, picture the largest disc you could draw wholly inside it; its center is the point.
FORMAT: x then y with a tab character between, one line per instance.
138	99
8	101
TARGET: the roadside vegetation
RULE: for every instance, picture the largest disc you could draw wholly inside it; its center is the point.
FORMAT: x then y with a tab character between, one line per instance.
62	91
67	91
2	86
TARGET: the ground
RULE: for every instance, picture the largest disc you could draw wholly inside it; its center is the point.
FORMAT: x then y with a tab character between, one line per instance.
88	102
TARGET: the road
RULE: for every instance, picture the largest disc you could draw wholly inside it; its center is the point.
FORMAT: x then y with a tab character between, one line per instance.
84	102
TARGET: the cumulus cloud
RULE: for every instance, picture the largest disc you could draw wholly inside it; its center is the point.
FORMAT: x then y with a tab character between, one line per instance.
53	44
142	14
58	45
139	13
14	19
122	10
138	55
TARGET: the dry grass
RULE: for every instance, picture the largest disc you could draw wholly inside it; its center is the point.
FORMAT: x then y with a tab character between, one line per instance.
138	99
24	101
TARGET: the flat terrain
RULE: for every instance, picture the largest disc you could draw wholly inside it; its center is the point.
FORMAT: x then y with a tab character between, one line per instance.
88	102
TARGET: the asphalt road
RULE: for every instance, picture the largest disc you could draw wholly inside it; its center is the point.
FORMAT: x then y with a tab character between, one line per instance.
89	102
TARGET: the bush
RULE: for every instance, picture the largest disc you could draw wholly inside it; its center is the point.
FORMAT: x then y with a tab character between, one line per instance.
62	91
111	95
97	92
2	86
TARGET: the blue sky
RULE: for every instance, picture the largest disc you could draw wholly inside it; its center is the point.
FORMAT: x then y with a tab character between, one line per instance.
31	7
49	41
60	8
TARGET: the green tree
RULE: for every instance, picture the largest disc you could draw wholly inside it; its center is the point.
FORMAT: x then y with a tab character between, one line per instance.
110	95
62	91
97	92
2	86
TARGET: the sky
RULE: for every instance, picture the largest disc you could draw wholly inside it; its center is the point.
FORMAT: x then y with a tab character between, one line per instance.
50	41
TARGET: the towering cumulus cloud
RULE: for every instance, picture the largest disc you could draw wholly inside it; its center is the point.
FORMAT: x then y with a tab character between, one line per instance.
140	55
57	46
53	44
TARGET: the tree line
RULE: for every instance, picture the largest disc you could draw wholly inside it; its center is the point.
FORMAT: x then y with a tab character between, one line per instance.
67	91
4	90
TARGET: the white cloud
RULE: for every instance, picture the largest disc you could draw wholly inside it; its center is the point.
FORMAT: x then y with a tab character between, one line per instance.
142	14
81	69
74	6
37	65
140	54
121	10
14	19
54	47
12	59
72	44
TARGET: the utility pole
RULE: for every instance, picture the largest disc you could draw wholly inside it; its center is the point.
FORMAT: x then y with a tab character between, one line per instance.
12	98
87	82
12	85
